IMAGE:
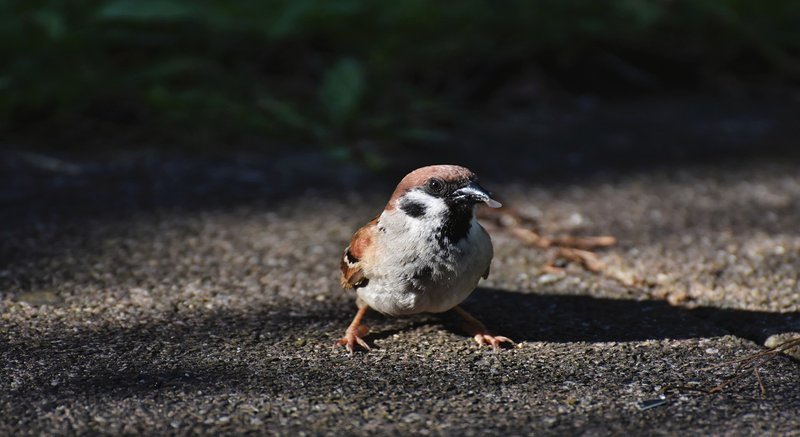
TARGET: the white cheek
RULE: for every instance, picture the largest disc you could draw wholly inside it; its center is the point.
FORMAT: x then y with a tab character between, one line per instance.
404	233
434	206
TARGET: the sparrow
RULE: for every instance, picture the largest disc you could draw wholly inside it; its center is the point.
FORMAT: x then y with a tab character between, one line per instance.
425	253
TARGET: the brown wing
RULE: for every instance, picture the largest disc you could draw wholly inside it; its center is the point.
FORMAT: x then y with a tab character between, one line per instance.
360	245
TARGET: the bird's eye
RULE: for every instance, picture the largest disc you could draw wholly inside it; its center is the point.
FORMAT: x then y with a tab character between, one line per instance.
436	185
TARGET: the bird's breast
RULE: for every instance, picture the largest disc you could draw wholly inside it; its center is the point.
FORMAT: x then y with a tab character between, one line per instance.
416	271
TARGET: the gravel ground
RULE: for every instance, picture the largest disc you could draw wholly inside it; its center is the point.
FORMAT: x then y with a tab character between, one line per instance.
202	297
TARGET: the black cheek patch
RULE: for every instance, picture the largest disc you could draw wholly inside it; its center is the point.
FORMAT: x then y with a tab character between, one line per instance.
413	208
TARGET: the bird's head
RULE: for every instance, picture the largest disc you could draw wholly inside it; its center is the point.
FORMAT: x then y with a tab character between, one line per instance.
439	189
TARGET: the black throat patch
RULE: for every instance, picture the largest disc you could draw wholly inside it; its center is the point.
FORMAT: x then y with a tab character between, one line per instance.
412	208
456	223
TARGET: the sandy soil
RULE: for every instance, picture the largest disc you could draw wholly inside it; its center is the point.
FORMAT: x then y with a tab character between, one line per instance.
160	293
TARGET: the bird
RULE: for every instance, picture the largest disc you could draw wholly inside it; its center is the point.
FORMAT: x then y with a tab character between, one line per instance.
424	253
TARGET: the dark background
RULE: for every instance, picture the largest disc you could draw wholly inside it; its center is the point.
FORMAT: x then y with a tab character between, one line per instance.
123	105
372	83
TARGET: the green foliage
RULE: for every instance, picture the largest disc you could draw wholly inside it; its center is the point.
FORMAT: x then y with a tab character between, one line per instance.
146	11
329	71
342	90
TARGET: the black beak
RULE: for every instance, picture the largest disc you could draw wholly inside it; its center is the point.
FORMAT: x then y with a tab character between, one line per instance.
474	193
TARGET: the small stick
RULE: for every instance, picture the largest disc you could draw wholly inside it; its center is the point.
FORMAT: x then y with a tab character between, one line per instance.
760	383
749	362
571	248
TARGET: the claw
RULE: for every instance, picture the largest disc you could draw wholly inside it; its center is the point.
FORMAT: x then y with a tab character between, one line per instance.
352	337
479	332
492	340
353	334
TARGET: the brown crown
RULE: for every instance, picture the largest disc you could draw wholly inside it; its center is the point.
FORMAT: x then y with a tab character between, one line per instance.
420	176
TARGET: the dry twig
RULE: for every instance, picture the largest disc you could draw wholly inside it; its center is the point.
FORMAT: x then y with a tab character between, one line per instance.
569	248
743	367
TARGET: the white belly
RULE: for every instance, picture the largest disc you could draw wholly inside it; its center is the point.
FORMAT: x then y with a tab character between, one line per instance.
419	276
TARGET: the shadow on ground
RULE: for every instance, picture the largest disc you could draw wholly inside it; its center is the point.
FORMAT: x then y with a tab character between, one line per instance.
564	318
565	144
264	349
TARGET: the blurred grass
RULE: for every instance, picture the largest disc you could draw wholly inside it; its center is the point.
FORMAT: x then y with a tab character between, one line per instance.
330	72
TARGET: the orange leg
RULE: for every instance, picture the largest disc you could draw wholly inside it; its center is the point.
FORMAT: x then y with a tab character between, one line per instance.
354	333
479	332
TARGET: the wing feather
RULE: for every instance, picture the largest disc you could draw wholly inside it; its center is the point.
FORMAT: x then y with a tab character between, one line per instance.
351	265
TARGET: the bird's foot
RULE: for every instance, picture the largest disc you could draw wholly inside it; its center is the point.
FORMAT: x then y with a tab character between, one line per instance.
491	340
478	331
352	337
